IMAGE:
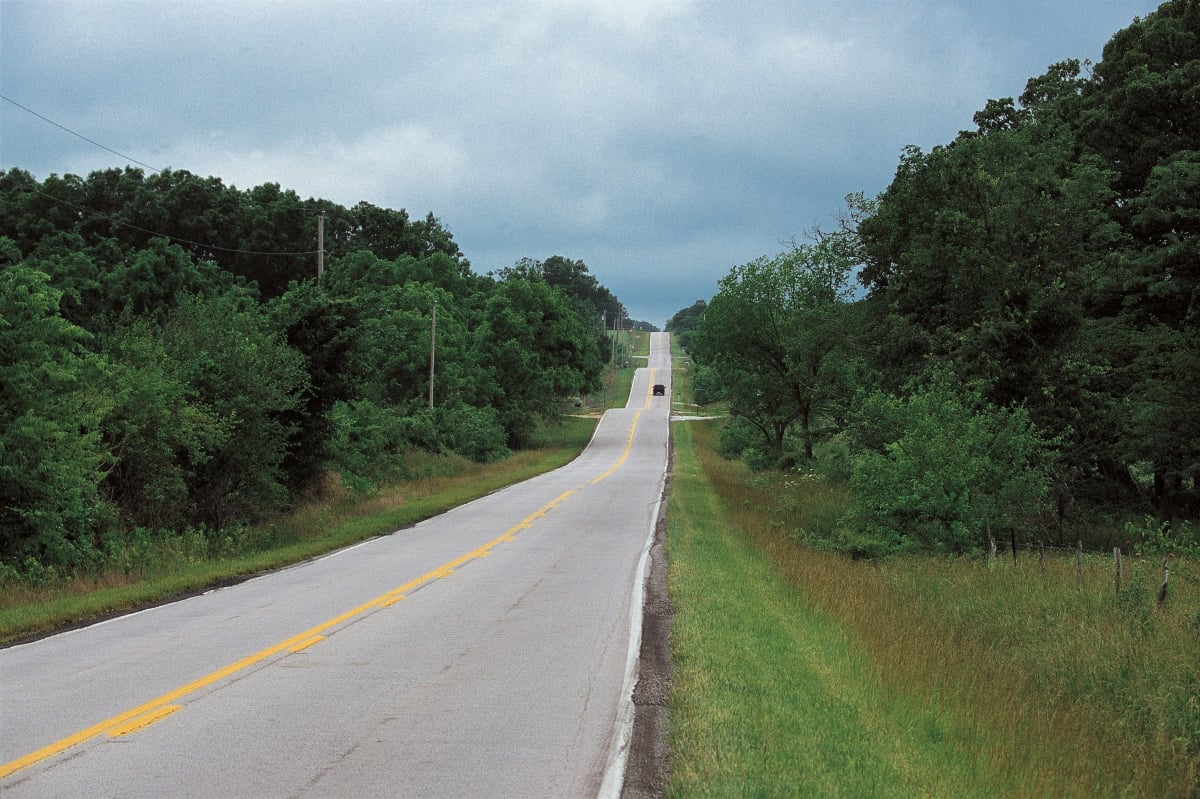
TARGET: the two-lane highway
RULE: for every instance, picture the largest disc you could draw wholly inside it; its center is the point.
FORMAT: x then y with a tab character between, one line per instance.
485	652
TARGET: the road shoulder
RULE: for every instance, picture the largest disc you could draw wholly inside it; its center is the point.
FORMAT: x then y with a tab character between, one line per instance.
648	765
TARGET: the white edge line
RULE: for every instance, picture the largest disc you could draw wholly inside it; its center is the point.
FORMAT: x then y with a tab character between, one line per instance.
618	751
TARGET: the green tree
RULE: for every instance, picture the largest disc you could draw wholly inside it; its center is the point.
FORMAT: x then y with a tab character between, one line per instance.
1142	105
74	273
157	430
942	470
1158	414
595	304
986	257
1139	113
535	351
147	282
233	362
775	338
51	406
321	328
685	321
980	251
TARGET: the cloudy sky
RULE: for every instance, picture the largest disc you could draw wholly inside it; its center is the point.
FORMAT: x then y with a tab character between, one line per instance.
660	141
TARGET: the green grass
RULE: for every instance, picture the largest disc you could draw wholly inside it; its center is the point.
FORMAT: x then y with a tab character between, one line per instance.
683	395
178	565
996	679
771	697
617	379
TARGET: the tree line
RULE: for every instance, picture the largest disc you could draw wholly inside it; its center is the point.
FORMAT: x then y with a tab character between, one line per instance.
1008	337
169	360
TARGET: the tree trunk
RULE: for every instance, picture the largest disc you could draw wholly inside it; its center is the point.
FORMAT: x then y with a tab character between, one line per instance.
806	432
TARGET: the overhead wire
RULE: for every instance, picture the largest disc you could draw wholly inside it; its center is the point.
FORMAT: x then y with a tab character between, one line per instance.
154	169
79	135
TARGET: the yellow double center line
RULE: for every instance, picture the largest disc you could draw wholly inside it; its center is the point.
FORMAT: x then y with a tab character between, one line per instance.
156	709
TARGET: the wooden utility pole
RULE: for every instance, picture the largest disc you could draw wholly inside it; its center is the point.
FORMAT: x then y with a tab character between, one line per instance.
432	351
320	245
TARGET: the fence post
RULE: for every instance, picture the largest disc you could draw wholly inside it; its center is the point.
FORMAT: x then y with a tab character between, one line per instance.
1119	566
1162	591
1079	566
1042	557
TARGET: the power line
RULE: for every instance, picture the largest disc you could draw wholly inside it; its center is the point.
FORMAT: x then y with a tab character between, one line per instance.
106	148
154	169
79	135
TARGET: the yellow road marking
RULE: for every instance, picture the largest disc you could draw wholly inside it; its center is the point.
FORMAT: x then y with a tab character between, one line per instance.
316	639
624	455
146	720
149	712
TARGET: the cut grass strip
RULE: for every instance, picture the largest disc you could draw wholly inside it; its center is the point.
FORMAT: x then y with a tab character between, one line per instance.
772	698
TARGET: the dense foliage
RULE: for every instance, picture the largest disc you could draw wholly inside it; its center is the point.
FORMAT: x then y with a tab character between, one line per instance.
1027	348
169	360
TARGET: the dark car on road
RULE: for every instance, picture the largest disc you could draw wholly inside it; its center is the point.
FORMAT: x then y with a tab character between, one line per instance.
660	390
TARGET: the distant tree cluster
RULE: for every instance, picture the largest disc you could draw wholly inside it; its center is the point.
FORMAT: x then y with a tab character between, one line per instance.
169	360
683	324
1029	340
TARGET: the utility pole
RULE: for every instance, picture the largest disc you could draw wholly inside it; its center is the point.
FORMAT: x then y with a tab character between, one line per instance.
320	245
432	351
614	342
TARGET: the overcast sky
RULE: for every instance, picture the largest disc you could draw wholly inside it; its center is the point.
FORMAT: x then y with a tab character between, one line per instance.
662	142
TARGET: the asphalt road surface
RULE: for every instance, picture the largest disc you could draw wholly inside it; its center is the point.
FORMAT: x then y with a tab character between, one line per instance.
483	653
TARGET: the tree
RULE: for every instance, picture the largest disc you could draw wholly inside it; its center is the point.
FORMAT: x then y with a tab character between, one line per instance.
246	376
593	302
320	327
986	256
536	352
980	252
1141	106
685	321
772	336
942	470
156	430
147	282
1159	416
51	406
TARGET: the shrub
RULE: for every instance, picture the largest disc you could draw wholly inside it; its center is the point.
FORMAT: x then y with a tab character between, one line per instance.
473	432
951	469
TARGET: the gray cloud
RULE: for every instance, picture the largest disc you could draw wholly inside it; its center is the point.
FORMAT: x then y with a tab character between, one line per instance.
662	142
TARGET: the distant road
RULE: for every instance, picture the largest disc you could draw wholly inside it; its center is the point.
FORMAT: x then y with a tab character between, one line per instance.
482	653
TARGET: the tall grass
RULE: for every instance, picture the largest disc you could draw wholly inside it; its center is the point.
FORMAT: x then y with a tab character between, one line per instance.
772	696
1061	689
151	567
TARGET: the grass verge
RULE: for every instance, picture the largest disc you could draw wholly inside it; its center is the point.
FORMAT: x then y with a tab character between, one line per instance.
771	697
801	673
186	564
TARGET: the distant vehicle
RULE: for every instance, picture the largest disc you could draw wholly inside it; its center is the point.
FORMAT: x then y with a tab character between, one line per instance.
660	390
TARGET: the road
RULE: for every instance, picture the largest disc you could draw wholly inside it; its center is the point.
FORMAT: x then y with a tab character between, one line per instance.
485	652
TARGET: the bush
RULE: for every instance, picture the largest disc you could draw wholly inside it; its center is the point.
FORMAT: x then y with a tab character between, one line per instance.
473	432
51	406
736	437
834	459
951	468
367	442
